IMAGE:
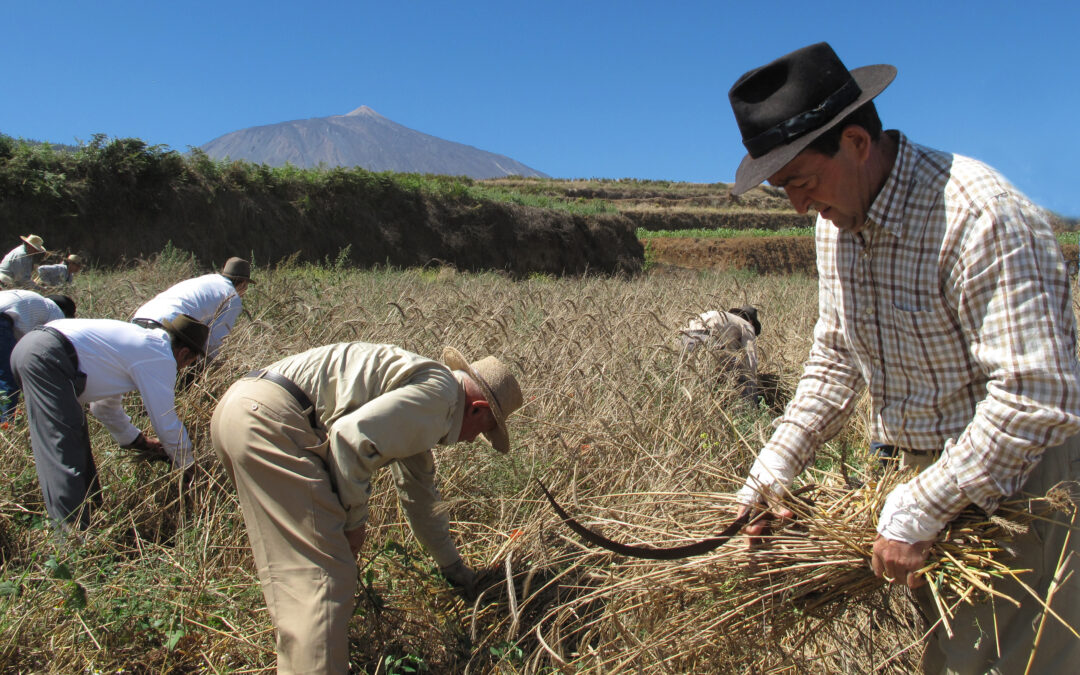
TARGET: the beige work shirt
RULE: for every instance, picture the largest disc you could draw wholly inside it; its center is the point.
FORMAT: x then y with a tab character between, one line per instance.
382	405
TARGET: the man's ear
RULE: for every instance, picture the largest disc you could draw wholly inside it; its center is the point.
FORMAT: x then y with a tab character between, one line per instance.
859	139
481	403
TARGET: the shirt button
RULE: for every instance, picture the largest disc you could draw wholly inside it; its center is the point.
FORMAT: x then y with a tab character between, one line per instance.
254	405
869	311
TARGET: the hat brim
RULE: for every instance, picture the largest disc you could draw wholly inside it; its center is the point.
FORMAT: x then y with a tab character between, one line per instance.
29	243
872	80
170	328
499	437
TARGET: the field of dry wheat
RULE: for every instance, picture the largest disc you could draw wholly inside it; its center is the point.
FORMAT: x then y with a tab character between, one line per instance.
637	440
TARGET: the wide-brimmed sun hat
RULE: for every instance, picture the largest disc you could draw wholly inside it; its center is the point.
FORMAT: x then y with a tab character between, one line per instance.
237	269
500	389
34	241
189	330
783	106
74	258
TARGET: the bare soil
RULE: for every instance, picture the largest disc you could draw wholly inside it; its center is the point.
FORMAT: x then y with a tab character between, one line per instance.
766	255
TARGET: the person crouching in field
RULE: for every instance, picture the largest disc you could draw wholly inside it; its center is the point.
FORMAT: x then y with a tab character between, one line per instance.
71	362
17	267
302	440
729	337
21	312
943	292
59	274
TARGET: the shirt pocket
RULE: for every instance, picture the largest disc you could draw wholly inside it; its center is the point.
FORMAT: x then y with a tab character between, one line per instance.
902	329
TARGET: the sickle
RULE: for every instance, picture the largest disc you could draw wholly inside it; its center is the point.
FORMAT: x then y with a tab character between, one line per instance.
652	553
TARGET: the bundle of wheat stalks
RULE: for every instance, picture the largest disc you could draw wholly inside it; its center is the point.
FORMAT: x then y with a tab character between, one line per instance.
806	590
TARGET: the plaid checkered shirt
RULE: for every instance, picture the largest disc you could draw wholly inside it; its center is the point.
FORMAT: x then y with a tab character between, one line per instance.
952	309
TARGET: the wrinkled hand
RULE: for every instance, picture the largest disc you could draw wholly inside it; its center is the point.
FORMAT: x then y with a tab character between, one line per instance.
897	562
356	538
461	577
761	527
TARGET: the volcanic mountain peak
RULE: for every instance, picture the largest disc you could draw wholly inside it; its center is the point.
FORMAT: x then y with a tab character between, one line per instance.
362	138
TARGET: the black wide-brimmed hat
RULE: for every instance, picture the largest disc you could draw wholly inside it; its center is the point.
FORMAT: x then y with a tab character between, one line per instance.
190	331
783	106
237	269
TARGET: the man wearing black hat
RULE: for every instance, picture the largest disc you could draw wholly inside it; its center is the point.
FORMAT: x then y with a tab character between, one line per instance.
945	295
68	363
213	299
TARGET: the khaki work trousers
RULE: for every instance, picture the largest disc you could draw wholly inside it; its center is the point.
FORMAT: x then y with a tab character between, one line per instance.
295	523
997	637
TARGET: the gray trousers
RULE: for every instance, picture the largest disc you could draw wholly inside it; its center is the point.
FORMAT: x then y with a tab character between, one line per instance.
998	637
58	432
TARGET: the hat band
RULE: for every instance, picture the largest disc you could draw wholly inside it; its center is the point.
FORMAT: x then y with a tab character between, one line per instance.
490	391
803	123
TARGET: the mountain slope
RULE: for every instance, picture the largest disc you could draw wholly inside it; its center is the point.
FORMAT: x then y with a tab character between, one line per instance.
362	138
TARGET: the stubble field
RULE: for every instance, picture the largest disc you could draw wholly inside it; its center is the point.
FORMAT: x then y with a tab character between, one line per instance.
637	440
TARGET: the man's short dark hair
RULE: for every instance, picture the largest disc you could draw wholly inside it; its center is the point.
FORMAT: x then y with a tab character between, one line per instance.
864	116
66	304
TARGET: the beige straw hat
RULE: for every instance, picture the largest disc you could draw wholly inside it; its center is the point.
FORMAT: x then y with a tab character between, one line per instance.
500	388
34	241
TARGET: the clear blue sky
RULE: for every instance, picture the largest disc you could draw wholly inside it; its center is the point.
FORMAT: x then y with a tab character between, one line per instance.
574	89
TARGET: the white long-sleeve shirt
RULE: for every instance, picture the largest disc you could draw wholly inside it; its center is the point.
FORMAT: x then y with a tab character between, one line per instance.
211	299
118	357
28	310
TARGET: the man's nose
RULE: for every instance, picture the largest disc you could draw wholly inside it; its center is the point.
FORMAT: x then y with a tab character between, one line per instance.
798	198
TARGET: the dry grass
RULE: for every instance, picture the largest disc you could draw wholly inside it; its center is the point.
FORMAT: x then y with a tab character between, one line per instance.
642	443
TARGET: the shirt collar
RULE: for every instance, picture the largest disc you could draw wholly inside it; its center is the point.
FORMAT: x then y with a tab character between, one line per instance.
887	211
457	415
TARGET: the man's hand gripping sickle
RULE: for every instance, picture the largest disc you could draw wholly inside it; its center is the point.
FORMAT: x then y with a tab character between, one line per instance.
761	525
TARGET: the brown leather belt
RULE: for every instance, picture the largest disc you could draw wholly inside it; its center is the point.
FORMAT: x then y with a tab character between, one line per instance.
288	385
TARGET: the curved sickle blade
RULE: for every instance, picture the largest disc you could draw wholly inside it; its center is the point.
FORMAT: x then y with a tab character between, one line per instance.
647	552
